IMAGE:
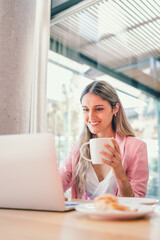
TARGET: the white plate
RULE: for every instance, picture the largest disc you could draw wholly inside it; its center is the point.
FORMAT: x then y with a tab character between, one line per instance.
145	201
89	210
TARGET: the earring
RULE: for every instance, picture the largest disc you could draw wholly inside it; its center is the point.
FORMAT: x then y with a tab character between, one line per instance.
115	114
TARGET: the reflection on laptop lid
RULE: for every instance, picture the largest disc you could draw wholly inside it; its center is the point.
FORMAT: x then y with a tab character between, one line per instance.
29	176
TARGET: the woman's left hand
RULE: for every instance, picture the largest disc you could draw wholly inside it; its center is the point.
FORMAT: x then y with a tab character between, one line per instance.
115	159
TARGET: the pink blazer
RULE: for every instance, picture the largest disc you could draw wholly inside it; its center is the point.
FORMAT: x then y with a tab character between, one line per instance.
134	161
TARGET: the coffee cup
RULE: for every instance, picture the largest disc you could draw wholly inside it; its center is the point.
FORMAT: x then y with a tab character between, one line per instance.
96	145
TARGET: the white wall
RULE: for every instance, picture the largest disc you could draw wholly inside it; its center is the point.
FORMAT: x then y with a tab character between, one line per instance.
18	61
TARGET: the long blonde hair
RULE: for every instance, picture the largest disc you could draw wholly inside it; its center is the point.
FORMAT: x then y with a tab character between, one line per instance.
120	124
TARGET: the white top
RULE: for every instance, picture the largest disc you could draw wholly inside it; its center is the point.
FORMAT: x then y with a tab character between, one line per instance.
95	188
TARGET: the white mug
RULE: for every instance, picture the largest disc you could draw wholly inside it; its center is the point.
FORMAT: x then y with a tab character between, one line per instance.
97	145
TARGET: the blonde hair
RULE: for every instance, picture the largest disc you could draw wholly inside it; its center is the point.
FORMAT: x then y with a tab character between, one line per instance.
120	124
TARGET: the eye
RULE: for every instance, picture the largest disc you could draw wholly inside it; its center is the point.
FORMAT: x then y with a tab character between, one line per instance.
99	109
85	109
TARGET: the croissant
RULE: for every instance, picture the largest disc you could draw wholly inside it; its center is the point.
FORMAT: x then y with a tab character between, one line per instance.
108	201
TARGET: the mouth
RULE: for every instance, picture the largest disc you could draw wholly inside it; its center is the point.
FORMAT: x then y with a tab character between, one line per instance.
93	124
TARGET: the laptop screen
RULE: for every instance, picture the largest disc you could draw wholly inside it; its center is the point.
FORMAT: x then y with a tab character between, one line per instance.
29	176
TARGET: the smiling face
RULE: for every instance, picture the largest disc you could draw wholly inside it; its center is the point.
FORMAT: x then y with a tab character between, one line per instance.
98	115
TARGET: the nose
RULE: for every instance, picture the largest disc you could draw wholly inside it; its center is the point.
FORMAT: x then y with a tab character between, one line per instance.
91	115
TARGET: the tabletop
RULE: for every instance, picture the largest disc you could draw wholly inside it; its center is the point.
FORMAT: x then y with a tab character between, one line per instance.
24	224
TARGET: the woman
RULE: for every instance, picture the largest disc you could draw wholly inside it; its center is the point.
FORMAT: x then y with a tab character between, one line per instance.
127	173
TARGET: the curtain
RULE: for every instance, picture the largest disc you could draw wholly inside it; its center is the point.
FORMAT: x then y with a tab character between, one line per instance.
38	113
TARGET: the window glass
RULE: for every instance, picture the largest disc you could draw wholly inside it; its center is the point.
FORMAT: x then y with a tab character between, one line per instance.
65	119
116	41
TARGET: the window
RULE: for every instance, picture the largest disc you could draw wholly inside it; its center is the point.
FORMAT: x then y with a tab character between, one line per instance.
65	118
117	41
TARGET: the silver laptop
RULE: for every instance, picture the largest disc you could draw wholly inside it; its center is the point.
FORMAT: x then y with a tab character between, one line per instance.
29	176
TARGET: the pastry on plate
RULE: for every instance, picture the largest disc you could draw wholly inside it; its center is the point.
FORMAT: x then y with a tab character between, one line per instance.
108	201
